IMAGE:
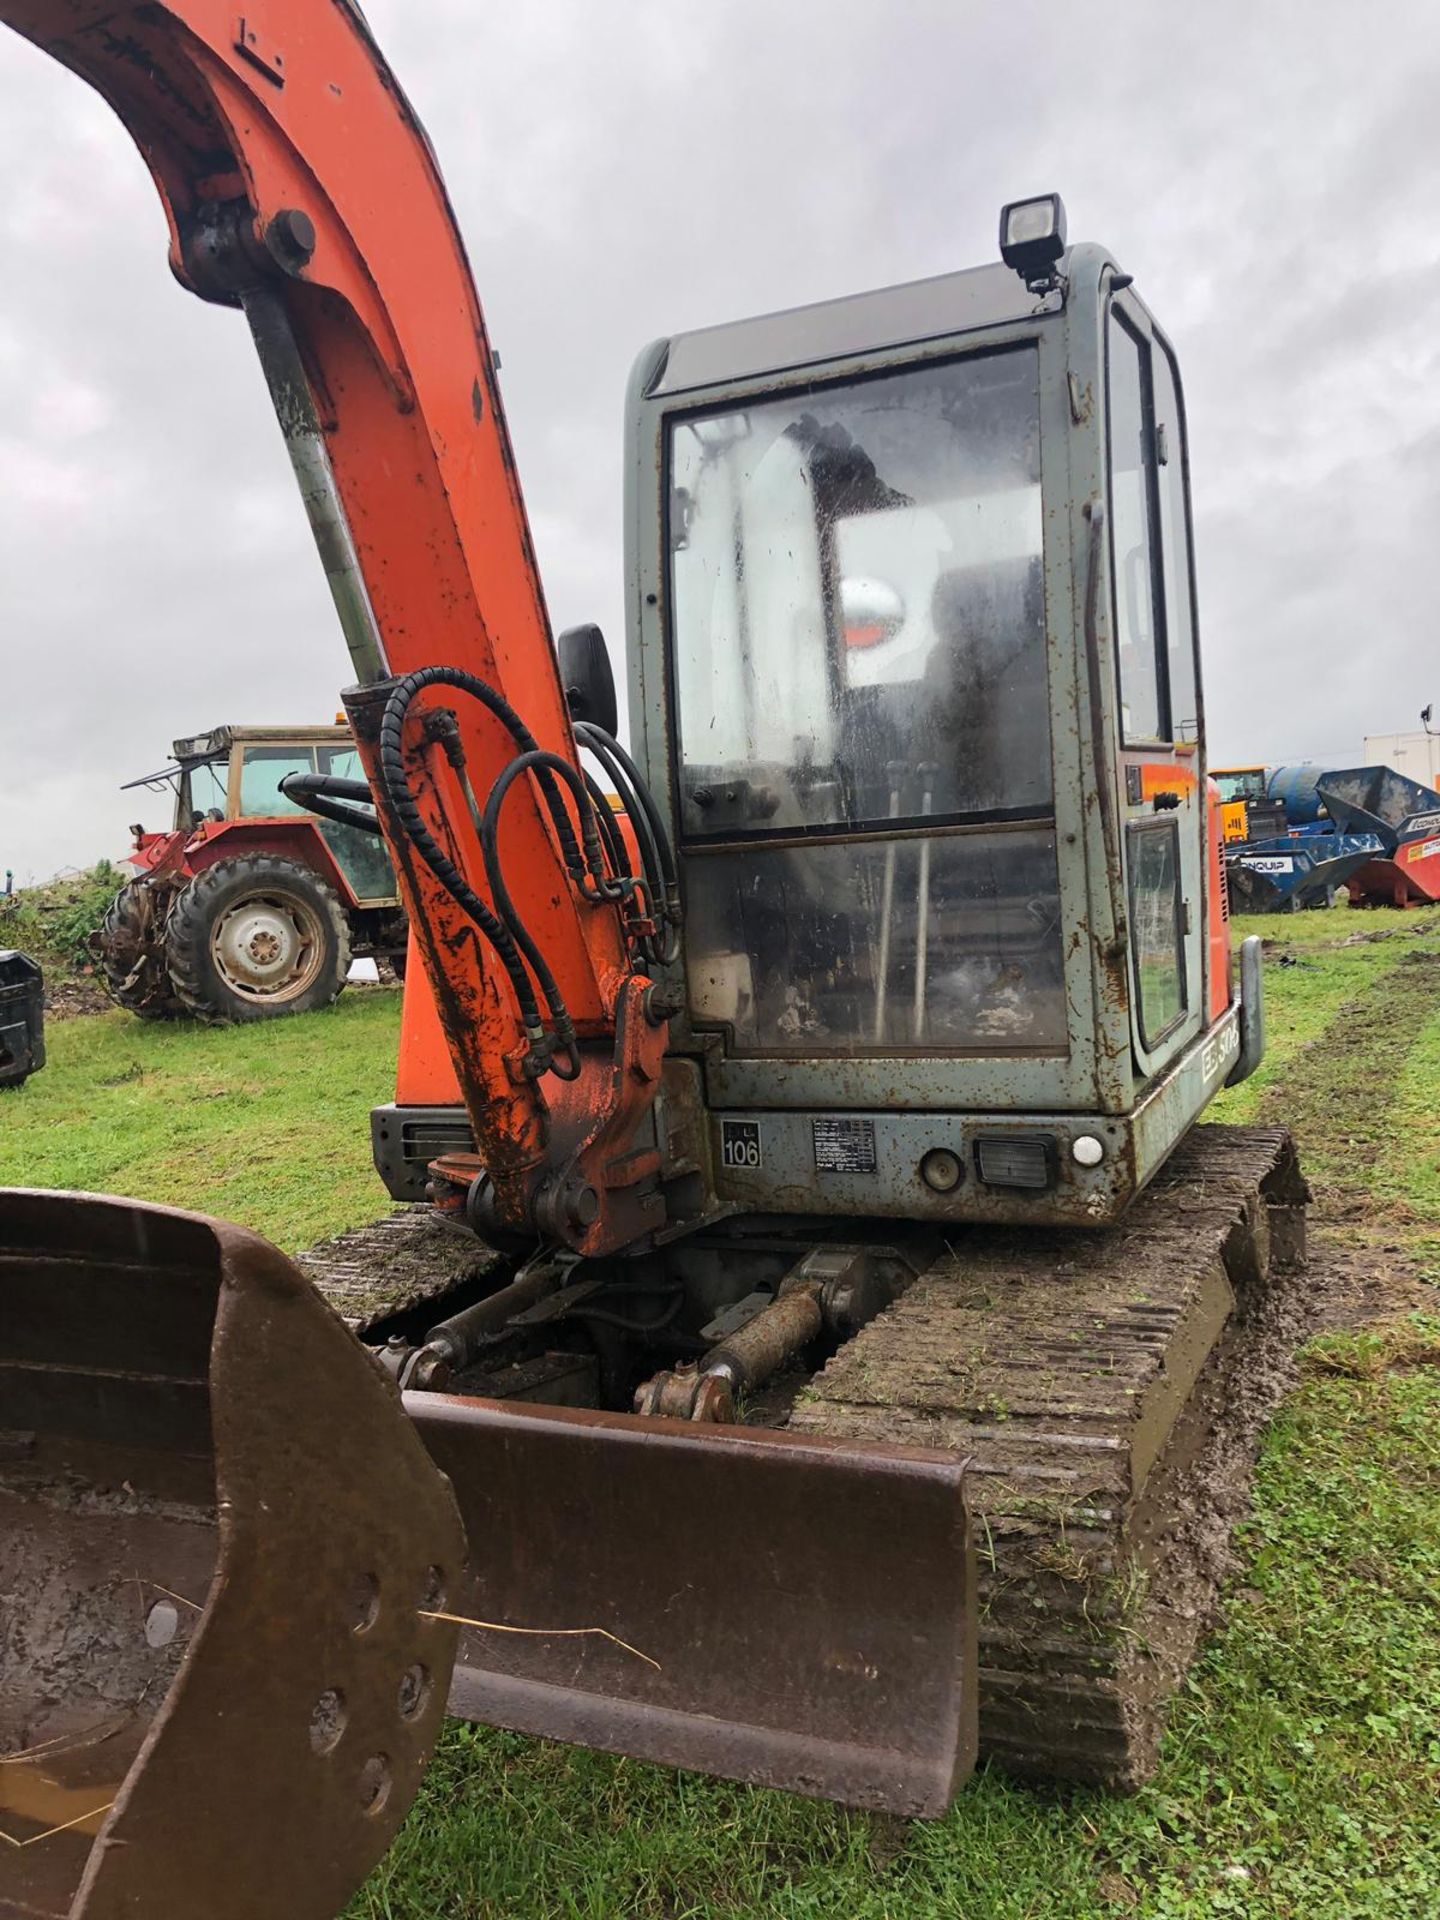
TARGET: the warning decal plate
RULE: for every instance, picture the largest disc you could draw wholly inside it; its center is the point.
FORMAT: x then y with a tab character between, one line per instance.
844	1146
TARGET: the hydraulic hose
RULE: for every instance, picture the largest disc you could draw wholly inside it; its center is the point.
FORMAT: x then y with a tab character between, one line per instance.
398	706
657	857
495	872
326	794
407	812
601	870
627	777
617	853
606	1317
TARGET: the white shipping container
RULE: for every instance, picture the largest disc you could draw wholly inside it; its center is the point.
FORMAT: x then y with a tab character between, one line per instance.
1417	755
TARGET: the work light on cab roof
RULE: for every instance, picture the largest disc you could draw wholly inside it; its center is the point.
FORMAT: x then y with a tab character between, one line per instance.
1032	239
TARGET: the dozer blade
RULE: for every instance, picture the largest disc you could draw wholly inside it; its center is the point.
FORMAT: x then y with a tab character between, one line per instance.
775	1609
220	1542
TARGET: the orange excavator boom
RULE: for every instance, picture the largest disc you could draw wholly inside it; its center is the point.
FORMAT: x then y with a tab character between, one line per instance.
186	1431
300	186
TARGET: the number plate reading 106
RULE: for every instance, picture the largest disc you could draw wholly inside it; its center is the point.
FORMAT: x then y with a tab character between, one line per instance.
740	1145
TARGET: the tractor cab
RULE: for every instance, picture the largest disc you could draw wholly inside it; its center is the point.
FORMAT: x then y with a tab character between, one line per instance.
250	906
233	774
914	675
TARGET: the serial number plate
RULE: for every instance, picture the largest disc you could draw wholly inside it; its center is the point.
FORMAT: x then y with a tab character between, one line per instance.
844	1146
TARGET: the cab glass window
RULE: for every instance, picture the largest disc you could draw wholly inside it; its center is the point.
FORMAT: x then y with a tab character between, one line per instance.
1154	863
858	603
1244	783
361	857
1132	536
1175	549
204	793
864	767
342	762
261	771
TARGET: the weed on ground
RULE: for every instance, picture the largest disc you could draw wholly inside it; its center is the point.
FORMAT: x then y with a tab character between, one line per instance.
53	924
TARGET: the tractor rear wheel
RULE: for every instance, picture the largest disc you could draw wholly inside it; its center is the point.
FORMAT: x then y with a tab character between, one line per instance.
254	938
130	948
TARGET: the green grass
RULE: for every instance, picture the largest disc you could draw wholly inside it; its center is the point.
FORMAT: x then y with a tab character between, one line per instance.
1310	974
1299	1779
1407	1178
265	1125
1361	1090
1300	1775
1301	1770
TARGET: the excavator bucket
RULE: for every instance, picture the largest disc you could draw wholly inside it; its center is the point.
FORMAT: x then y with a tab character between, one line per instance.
234	1582
221	1550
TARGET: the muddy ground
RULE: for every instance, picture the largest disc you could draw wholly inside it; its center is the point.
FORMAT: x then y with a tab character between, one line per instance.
1338	1097
67	996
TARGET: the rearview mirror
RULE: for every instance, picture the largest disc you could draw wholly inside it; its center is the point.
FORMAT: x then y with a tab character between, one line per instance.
586	676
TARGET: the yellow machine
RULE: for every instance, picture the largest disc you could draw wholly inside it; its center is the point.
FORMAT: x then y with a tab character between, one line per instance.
1239	786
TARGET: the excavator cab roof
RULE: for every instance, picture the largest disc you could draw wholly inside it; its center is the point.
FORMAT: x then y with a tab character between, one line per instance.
836	329
875	322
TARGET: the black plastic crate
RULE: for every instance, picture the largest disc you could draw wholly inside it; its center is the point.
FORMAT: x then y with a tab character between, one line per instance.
22	1018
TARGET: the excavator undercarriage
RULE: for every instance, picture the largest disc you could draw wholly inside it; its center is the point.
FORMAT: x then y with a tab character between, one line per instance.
241	1594
1089	1381
1084	1379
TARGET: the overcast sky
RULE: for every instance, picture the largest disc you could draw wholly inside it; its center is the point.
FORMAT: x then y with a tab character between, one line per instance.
1270	173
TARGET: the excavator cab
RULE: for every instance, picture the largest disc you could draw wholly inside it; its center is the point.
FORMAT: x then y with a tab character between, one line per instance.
915	697
914	681
914	675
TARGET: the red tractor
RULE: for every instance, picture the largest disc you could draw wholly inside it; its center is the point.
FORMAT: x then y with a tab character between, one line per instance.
248	906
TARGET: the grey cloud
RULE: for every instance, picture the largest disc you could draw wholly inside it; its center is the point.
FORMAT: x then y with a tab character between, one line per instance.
620	171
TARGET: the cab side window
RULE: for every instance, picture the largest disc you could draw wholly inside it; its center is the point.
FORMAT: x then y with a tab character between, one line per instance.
1175	548
1150	534
1153	857
1133	539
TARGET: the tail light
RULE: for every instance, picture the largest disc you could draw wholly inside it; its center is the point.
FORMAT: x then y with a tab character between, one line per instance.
1008	1161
